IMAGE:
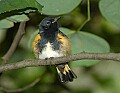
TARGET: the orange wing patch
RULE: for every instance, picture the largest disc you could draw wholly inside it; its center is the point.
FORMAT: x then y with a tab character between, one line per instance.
65	44
35	45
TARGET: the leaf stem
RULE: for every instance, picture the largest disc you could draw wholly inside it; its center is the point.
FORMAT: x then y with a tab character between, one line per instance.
88	16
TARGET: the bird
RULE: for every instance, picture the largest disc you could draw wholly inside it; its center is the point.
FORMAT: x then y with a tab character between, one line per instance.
50	42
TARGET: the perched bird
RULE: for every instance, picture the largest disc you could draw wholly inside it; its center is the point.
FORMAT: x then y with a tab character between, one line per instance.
51	42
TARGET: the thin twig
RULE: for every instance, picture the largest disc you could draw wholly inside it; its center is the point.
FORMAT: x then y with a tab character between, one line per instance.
88	16
15	42
20	89
59	60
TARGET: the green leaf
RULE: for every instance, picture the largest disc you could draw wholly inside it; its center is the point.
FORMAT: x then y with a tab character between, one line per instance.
86	42
9	5
9	21
6	24
58	7
18	18
66	31
110	9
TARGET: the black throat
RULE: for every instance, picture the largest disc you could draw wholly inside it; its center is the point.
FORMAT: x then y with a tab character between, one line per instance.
49	35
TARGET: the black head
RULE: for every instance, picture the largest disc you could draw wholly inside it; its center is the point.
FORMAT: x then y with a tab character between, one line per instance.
49	24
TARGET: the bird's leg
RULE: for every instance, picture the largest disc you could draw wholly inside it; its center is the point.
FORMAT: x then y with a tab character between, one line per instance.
49	58
46	58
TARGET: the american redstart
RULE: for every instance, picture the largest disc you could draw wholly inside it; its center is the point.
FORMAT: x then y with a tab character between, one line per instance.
51	42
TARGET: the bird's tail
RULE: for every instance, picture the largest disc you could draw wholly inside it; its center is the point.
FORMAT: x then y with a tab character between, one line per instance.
65	73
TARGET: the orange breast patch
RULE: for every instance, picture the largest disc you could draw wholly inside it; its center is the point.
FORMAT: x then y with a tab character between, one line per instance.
65	44
61	38
38	37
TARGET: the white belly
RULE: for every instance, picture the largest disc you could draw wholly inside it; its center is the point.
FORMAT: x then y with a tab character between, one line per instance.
48	52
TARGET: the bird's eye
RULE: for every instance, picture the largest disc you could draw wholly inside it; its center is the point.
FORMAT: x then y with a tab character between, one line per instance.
48	22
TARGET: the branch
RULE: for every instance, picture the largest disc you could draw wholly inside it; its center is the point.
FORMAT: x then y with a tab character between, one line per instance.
20	89
59	60
15	42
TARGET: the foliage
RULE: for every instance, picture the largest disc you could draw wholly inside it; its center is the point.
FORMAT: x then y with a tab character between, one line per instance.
80	42
111	10
97	35
10	5
53	7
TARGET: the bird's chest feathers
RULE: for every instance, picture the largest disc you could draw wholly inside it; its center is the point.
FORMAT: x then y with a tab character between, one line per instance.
48	51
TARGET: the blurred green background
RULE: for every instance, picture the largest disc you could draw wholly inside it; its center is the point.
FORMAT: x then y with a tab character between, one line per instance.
103	77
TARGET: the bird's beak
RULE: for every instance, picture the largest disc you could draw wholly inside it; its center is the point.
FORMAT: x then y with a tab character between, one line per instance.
56	19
